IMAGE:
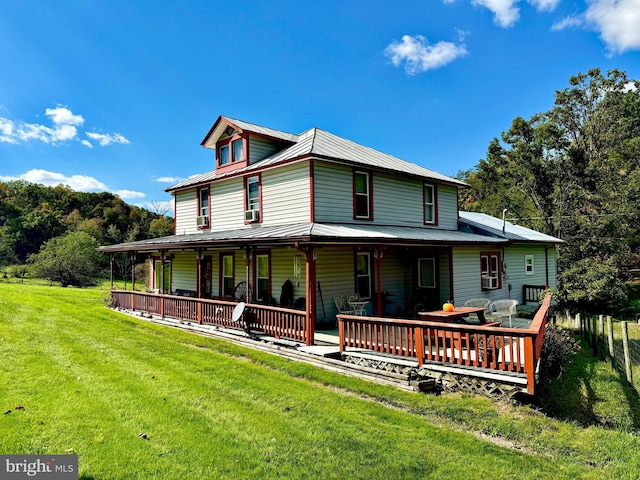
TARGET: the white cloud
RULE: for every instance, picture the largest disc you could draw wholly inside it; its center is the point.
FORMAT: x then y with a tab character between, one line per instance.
572	21
64	128
545	5
80	183
105	139
505	11
419	56
168	179
618	22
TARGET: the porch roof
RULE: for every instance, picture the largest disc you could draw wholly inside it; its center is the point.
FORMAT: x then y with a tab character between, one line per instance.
326	233
481	222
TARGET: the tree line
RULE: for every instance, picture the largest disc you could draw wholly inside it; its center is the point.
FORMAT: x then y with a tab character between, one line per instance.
573	172
34	216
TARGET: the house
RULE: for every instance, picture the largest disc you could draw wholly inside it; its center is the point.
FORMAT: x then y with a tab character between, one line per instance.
288	220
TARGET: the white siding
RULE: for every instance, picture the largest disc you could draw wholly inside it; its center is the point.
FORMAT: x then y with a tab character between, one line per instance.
286	195
260	148
466	271
396	201
227	205
183	271
186	212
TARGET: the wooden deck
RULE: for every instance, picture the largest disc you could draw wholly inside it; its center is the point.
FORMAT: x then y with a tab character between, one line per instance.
471	354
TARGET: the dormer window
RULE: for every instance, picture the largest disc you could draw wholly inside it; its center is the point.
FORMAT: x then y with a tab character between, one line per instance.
231	151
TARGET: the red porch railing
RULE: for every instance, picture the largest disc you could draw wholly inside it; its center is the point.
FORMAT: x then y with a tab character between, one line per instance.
275	321
508	350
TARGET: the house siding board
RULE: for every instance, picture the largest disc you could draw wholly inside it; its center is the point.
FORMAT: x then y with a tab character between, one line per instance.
183	271
444	274
447	207
466	275
282	270
333	193
260	148
335	274
392	280
227	205
286	195
186	212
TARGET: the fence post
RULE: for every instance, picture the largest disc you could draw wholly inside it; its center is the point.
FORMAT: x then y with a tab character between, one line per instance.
612	352
594	334
601	337
627	354
579	323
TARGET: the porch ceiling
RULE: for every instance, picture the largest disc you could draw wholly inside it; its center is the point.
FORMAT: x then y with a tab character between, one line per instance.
317	233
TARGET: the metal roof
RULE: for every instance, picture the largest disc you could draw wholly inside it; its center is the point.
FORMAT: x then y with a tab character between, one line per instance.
309	232
493	226
322	144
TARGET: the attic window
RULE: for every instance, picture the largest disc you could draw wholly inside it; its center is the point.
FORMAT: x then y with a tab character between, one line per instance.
231	151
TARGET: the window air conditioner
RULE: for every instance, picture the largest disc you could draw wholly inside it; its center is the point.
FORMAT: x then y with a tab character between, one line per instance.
490	283
252	215
202	221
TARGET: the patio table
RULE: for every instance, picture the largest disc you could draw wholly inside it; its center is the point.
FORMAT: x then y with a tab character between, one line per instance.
358	306
454	316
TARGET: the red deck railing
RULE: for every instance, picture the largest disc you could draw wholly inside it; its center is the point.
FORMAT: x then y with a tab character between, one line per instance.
509	350
276	321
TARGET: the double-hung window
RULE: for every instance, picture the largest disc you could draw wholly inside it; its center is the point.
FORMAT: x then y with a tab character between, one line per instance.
225	156
362	201
203	208
252	200
262	277
237	150
529	265
427	272
490	271
226	273
430	205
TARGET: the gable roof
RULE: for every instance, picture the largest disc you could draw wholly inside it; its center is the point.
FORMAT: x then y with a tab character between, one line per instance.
313	143
484	224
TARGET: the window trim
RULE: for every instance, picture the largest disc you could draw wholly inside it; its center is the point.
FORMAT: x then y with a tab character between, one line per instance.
256	292
222	277
246	198
199	206
490	271
229	142
532	270
434	204
369	183
435	273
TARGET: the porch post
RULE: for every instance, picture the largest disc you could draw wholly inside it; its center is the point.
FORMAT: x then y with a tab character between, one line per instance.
378	253
199	273
110	270
311	256
133	271
247	263
163	258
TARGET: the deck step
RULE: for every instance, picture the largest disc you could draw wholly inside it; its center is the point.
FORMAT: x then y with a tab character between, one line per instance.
326	351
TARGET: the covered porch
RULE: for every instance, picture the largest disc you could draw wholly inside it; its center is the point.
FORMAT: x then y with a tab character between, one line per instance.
484	357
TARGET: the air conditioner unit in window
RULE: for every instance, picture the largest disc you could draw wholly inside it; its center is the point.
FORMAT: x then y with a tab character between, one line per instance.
252	215
490	283
202	221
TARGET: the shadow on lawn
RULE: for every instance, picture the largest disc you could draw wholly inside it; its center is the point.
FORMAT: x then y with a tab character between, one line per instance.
588	393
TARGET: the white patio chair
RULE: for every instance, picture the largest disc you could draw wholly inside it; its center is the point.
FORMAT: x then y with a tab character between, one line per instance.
352	297
341	306
502	308
478	303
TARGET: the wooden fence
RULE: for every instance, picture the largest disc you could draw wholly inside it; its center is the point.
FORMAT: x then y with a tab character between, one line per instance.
613	340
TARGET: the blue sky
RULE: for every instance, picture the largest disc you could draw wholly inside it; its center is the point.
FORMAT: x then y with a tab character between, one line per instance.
117	95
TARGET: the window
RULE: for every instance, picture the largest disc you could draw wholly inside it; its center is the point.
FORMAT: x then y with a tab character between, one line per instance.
157	267
262	277
226	272
490	271
252	213
430	204
528	265
362	196
363	274
236	146
224	155
427	272
203	208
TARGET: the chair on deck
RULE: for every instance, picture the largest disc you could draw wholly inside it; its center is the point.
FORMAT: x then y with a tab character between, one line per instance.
478	303
341	306
502	308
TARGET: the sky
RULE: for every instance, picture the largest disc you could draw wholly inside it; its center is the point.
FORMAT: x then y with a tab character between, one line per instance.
118	95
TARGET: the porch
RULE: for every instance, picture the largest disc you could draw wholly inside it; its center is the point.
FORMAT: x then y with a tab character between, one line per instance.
484	359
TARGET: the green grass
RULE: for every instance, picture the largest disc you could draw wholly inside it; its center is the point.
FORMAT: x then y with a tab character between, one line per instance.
91	380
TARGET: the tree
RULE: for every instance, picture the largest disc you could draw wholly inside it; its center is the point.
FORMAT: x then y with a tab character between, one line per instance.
72	259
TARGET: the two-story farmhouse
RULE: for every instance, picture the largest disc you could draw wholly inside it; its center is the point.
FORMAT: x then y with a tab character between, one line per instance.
293	220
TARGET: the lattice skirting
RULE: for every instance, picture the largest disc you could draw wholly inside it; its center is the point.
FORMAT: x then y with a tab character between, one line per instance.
378	364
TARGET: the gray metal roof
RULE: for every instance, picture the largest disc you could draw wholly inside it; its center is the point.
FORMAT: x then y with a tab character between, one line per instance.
309	232
493	226
322	144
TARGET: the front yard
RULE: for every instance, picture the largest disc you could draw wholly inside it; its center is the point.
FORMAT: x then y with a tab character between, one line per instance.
137	400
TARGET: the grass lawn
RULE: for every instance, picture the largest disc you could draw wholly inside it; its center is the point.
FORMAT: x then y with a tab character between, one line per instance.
92	380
